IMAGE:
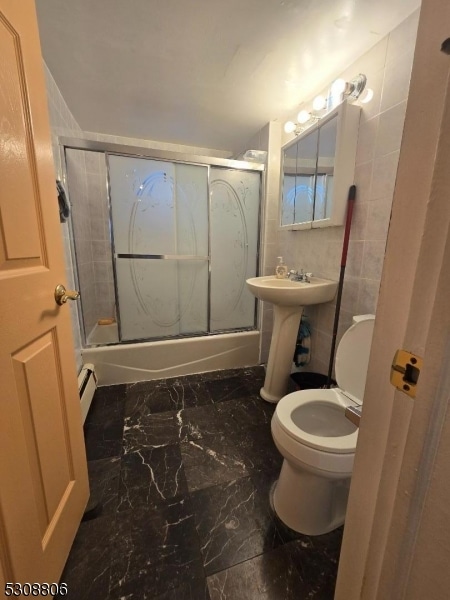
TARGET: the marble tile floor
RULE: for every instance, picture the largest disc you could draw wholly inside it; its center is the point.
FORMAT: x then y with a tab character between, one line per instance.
182	470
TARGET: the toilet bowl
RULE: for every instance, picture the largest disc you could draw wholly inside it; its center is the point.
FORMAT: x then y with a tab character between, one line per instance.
318	442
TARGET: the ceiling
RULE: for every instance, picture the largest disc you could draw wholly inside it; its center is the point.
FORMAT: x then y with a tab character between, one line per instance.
207	73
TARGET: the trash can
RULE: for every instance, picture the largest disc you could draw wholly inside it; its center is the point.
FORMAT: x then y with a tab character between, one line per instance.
309	381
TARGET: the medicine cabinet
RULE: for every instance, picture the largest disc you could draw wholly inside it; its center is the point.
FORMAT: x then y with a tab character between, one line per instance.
317	169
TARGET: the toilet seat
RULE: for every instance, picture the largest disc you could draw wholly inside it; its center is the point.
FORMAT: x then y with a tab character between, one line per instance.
330	401
301	414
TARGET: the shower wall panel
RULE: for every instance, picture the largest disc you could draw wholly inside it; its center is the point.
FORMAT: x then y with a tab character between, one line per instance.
90	221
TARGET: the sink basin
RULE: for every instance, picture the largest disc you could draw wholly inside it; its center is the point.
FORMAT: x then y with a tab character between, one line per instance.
289	298
285	292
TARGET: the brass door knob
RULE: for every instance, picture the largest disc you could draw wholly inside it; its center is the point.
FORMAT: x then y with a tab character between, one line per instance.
62	295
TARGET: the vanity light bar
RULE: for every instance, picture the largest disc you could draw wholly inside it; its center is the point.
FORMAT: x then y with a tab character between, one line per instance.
339	90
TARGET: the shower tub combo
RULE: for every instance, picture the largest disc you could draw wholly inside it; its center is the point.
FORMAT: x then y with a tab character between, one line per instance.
164	243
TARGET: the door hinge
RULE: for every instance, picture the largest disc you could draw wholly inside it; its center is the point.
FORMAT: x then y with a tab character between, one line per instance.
405	371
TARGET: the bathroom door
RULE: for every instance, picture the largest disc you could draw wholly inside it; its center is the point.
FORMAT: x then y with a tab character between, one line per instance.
43	475
396	539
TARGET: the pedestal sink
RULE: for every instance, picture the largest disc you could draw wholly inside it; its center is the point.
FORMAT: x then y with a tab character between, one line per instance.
289	298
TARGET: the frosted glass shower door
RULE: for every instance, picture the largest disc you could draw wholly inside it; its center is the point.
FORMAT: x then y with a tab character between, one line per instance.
234	222
160	230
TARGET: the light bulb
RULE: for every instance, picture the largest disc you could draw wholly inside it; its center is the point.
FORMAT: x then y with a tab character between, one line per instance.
366	96
303	117
338	87
289	127
319	103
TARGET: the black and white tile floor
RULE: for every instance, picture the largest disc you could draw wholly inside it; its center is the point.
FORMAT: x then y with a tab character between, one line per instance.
183	468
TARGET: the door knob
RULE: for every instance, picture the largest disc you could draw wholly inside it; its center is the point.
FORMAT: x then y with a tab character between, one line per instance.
62	295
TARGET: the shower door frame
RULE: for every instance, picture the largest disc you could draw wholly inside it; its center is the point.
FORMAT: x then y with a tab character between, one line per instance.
109	148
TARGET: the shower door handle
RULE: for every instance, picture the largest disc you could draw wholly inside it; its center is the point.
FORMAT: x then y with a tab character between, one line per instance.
62	295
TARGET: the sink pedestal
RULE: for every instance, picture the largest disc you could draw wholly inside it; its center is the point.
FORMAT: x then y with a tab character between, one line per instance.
288	299
284	337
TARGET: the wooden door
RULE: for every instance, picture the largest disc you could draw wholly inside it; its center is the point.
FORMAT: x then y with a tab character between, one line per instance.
43	475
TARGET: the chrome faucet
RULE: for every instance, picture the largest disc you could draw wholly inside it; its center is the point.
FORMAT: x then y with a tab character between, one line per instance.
296	276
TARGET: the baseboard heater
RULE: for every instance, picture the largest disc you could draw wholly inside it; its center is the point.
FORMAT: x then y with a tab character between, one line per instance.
87	384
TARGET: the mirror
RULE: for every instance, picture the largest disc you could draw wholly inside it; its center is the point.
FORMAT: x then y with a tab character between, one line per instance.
299	180
317	170
323	197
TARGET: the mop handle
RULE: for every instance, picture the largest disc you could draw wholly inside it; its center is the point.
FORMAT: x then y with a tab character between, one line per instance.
350	202
348	223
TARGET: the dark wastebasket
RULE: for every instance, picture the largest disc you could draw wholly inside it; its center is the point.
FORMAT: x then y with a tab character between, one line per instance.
310	381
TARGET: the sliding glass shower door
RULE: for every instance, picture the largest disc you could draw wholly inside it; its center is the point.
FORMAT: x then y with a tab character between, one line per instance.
234	246
185	239
160	232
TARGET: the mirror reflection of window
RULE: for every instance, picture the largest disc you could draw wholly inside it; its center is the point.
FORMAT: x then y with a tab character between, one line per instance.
305	177
288	207
325	169
323	196
288	190
304	198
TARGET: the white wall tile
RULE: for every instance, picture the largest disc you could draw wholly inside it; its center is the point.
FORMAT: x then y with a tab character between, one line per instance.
367	137
59	117
396	81
373	257
359	220
354	258
384	175
403	38
378	219
368	296
390	130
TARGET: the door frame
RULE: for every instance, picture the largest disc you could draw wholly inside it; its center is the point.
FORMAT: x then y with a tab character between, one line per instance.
395	451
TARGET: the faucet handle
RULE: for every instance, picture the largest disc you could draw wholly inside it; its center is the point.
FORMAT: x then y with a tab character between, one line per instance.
308	277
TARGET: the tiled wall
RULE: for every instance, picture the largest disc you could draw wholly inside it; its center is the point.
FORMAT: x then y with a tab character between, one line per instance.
63	123
268	139
86	201
90	217
387	66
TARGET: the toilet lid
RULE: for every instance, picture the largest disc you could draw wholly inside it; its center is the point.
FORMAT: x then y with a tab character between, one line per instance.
352	358
316	418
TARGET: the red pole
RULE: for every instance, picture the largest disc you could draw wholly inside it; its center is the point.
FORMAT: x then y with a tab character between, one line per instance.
348	223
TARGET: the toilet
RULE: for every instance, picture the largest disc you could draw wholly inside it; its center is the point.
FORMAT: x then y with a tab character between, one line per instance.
318	442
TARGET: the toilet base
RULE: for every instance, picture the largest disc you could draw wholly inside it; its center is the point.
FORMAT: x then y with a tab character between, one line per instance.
309	503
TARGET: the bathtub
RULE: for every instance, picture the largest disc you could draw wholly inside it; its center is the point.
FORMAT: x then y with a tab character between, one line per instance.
128	363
